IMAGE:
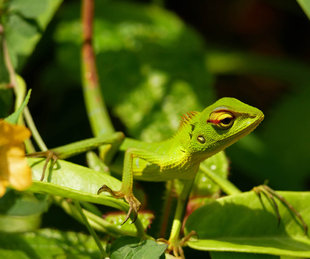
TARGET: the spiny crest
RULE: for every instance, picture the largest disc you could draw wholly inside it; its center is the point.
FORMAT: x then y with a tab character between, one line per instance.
186	118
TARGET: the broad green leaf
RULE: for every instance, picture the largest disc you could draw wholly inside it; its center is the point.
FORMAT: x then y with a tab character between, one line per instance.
21	212
11	223
74	181
244	223
13	118
47	243
24	23
134	248
305	5
29	8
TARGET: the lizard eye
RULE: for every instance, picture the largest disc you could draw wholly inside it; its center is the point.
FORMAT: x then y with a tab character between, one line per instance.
222	119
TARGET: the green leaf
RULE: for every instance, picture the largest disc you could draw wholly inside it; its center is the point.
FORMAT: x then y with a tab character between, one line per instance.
48	243
305	5
133	248
21	212
24	23
116	218
13	118
74	181
244	223
29	8
15	203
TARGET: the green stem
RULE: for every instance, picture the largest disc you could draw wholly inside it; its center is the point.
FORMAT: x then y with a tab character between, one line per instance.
95	163
179	213
35	133
166	209
223	183
95	105
236	62
90	229
95	221
19	89
140	230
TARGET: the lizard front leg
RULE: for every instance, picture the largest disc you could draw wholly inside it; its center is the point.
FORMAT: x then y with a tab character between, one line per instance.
127	182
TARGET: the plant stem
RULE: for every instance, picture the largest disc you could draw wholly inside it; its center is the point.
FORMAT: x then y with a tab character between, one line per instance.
179	213
223	183
90	229
236	62
96	222
35	133
166	210
96	109
19	89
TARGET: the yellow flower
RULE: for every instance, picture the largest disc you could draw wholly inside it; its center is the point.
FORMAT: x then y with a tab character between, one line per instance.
14	170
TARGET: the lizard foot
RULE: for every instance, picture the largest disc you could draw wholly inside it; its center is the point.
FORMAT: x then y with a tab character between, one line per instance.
49	154
133	202
135	206
175	247
271	194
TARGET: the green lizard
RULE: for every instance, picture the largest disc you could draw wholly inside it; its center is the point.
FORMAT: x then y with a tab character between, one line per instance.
200	135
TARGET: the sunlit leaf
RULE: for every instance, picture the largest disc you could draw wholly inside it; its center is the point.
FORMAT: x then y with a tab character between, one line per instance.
25	21
305	5
245	223
73	181
48	243
134	248
21	212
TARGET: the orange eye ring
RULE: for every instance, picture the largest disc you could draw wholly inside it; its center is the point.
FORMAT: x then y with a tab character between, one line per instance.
222	119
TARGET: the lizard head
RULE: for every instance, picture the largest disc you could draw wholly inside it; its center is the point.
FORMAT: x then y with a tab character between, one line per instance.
222	124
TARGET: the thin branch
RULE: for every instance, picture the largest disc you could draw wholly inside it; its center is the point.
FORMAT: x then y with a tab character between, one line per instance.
96	108
90	229
8	62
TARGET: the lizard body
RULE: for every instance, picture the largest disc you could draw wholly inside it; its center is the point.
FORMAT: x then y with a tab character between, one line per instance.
200	135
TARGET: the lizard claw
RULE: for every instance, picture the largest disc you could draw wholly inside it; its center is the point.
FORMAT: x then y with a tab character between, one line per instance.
133	202
135	206
271	194
105	188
